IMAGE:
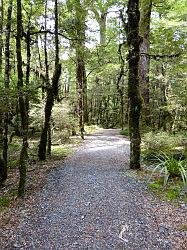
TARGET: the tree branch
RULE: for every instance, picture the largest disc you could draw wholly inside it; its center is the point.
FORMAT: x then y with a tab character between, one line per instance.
52	33
157	57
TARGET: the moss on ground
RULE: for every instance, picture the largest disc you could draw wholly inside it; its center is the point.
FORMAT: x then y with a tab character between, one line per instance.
4	202
125	132
174	191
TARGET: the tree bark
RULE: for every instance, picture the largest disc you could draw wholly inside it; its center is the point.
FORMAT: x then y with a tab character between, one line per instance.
102	25
80	67
28	67
1	33
52	93
133	41
101	17
22	104
120	87
47	80
7	82
3	172
48	110
144	63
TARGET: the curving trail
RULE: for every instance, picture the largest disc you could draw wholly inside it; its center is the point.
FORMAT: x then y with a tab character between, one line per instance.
91	203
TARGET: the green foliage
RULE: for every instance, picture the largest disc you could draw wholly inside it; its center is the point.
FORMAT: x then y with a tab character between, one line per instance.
155	185
156	143
171	168
172	193
4	202
13	163
63	123
90	129
124	132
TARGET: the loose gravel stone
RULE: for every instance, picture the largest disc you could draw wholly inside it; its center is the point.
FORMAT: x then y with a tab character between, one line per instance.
90	203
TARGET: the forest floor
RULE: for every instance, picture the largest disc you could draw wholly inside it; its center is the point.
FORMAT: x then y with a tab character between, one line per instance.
92	202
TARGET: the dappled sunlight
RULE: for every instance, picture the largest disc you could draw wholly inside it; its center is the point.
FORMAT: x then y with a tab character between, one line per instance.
114	145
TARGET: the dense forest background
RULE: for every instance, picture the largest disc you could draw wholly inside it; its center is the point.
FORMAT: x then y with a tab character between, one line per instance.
66	64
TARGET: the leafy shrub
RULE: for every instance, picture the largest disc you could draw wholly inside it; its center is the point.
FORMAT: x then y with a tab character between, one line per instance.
171	168
124	132
63	123
154	144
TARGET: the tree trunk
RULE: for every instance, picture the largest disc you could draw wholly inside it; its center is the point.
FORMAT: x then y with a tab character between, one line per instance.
49	140
7	82
22	104
102	26
144	63
3	172
3	168
120	87
52	92
133	41
101	17
79	76
85	96
80	67
1	33
48	110
28	47
47	81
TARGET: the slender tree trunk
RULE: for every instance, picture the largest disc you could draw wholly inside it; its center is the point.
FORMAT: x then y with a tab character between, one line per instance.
85	93
3	169
133	41
1	33
49	140
145	16
80	67
3	172
79	76
47	82
101	17
120	87
102	25
48	110
164	115
22	104
7	82
28	67
52	92
56	36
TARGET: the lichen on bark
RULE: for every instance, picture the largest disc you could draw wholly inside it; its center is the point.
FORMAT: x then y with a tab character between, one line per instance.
135	103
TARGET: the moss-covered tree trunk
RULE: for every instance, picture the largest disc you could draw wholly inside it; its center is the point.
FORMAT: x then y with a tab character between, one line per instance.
145	16
6	84
3	175
52	93
79	76
80	66
47	80
1	33
133	41
22	104
120	86
3	169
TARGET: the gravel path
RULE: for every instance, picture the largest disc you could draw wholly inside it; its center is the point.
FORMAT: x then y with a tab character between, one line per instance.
90	203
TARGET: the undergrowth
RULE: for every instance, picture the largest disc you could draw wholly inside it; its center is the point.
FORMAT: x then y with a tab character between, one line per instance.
166	154
157	143
125	132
